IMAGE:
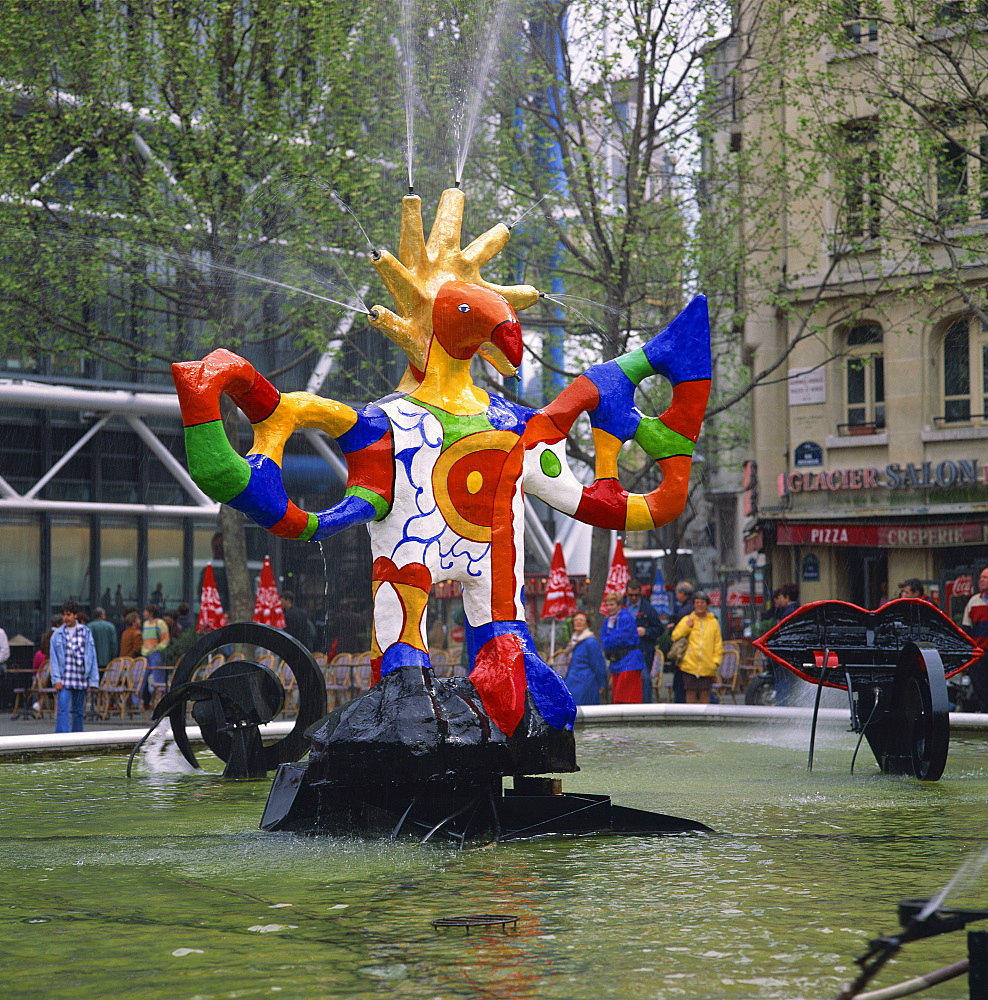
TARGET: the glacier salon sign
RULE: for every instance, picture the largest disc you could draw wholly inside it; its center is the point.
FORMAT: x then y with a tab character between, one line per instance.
894	476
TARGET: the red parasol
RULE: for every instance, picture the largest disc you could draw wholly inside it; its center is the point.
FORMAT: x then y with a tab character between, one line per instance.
267	606
559	599
618	575
211	613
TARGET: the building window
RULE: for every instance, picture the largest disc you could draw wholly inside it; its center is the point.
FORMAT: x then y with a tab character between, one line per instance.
207	548
858	28
118	566
952	187
862	183
965	372
165	577
20	570
864	380
952	11
962	179
726	527
70	560
983	172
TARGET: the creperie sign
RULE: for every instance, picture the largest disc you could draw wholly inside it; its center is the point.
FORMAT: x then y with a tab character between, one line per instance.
883	536
895	476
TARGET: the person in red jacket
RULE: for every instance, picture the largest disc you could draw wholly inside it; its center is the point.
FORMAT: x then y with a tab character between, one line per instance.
976	622
619	637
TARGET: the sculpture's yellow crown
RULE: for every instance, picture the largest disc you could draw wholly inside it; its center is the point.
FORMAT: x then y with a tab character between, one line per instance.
423	267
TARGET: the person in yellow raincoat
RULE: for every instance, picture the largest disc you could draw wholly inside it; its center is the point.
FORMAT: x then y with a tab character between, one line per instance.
704	650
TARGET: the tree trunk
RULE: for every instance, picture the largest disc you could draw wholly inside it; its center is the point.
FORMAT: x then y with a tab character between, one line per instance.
231	523
600	564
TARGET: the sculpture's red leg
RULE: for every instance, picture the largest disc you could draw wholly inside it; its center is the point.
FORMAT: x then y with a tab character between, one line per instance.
499	676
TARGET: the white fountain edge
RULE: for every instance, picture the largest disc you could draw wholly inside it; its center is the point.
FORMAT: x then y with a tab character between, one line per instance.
587	715
617	714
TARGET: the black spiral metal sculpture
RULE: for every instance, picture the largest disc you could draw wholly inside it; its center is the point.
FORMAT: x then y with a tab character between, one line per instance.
235	700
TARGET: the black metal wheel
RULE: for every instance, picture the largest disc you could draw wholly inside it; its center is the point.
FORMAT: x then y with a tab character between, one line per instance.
308	677
921	711
760	691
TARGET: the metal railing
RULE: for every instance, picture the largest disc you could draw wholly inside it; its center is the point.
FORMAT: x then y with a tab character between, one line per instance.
970	418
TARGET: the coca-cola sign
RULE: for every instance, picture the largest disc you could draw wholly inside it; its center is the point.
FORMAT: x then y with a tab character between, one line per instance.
735	598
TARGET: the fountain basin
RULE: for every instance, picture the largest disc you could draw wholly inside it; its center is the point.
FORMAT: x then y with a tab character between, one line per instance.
164	886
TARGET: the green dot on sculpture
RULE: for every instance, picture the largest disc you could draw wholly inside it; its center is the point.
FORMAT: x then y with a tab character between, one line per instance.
550	463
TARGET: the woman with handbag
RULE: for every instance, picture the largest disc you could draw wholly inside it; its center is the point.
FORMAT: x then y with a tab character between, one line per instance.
704	650
619	637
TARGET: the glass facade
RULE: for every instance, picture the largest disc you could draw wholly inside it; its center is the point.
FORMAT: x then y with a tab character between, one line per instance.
118	566
166	586
70	559
122	558
113	562
20	570
203	553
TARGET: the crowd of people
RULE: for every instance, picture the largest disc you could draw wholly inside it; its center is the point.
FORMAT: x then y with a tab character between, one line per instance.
616	664
76	648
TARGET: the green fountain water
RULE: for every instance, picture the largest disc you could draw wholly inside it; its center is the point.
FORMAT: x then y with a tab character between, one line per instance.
163	887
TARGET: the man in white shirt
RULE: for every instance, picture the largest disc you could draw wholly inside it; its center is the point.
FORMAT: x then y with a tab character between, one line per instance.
73	669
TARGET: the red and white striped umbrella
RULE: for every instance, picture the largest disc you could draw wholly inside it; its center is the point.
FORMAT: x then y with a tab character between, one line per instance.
211	613
617	576
267	606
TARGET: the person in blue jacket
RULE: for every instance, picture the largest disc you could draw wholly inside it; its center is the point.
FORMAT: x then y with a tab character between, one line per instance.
73	669
619	637
587	672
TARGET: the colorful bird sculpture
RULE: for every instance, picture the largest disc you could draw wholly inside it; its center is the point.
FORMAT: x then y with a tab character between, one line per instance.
438	469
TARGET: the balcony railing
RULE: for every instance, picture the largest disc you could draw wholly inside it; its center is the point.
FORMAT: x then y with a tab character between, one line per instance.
966	418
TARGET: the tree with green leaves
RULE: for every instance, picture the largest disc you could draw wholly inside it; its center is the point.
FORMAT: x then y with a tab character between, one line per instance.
171	174
598	128
820	177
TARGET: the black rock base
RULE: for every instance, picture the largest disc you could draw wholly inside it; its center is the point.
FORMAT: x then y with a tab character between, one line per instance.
418	756
453	811
415	727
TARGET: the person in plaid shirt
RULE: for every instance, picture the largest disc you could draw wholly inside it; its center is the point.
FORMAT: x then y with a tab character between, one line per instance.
73	669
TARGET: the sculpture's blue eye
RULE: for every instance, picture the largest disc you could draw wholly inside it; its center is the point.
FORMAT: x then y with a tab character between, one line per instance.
463	307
